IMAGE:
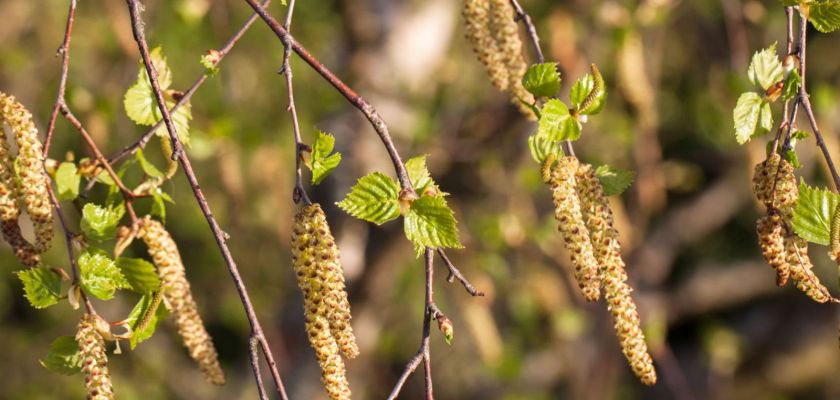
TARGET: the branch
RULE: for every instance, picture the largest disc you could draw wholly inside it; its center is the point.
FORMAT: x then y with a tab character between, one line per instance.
137	27
455	273
423	353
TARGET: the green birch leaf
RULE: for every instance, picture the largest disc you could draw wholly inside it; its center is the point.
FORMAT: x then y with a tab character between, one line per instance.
149	168
431	223
63	357
420	177
99	275
792	83
542	80
180	118
322	161
41	286
67	181
540	148
581	89
556	124
374	198
99	223
614	180
135	318
141	275
813	212
765	68
751	117
824	15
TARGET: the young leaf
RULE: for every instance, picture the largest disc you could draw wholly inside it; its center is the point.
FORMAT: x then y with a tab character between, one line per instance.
322	161
825	16
180	118
431	223
813	212
158	204
67	181
581	89
41	286
752	117
135	318
63	356
556	124
147	166
615	181
541	148
99	223
99	275
792	83
542	80
140	274
765	68
420	177
210	62
374	198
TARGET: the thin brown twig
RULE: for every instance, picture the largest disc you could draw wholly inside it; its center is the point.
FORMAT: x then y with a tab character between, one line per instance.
423	353
64	51
255	366
257	334
455	273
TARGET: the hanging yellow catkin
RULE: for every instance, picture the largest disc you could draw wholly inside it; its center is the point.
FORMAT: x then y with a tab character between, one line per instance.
771	238
176	292
94	358
32	182
315	261
572	227
800	270
494	36
598	217
763	176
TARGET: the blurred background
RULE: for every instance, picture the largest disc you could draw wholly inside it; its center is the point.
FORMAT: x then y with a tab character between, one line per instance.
717	324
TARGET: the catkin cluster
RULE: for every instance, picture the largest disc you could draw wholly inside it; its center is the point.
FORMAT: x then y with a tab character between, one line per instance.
176	292
94	358
492	32
774	185
22	181
586	222
326	308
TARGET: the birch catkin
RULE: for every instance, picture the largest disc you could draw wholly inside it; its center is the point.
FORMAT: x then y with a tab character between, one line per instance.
800	270
32	182
9	209
772	241
571	225
176	291
327	311
94	358
612	275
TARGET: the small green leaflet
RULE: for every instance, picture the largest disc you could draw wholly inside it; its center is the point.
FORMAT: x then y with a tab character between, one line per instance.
825	16
141	106
149	168
99	275
41	286
541	148
581	89
99	223
159	200
813	212
63	356
556	124
420	177
765	68
322	161
431	223
615	181
374	198
140	274
134	319
792	83
67	181
542	80
752	117
790	155
209	62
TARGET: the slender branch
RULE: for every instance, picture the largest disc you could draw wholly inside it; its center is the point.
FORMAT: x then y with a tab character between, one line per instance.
299	192
455	273
137	27
423	353
64	51
255	366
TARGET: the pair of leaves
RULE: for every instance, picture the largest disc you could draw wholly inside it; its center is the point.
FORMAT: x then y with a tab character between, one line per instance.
142	308
752	116
141	106
429	222
322	161
813	213
557	121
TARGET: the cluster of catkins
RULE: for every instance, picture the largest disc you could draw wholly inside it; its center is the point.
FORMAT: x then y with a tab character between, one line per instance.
177	294
774	185
492	32
94	358
23	181
326	308
586	223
